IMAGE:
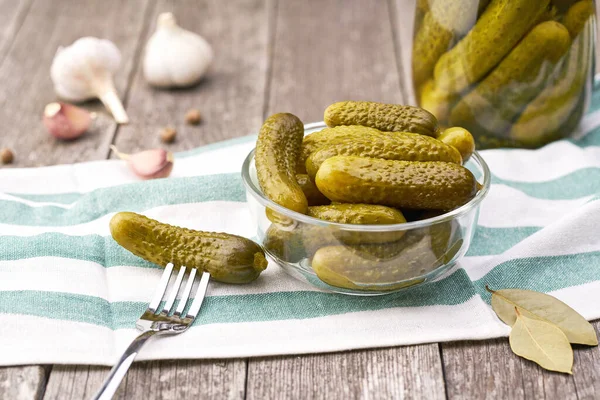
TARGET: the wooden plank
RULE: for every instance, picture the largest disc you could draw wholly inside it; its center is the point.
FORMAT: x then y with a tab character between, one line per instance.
12	14
23	383
333	50
327	51
231	96
25	75
403	373
489	369
586	369
182	379
231	100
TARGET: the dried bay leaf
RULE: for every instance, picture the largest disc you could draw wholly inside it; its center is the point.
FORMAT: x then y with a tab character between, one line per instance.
541	342
543	307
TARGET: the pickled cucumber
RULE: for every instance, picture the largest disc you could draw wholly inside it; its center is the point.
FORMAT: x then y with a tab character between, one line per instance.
539	123
446	22
578	15
364	214
500	27
313	196
385	117
421	185
389	266
277	151
495	102
460	139
292	244
228	258
437	102
401	146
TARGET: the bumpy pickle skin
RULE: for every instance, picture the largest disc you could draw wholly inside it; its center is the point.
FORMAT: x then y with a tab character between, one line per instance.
388	266
491	107
363	214
577	16
360	214
461	140
399	146
277	152
543	117
292	244
228	258
313	196
433	185
442	26
437	102
500	27
385	117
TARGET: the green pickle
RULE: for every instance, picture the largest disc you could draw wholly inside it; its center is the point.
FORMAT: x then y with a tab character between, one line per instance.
389	266
364	214
360	214
396	146
444	23
228	258
421	185
312	193
539	123
277	151
460	139
294	243
436	101
385	117
495	102
501	26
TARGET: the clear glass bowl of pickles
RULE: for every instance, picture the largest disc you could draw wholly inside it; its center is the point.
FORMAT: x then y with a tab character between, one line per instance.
367	206
515	73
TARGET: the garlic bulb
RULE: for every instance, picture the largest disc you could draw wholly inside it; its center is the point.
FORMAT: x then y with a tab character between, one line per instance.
84	70
174	56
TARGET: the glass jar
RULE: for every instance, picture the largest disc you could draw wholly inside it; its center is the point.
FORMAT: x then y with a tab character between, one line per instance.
516	73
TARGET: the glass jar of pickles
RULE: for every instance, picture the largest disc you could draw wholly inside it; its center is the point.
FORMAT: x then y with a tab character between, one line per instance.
516	73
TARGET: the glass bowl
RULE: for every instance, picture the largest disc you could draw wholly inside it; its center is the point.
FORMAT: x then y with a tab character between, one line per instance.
363	259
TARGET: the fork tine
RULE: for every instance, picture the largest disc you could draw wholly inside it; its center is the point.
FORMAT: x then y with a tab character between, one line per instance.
161	288
174	291
186	293
199	297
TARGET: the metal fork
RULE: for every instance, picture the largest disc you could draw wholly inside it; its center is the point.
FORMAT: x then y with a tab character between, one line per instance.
159	323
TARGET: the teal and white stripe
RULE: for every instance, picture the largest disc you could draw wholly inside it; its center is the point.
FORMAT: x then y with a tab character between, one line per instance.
64	283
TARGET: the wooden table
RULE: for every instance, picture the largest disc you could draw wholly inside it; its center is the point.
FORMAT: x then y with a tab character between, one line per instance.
271	56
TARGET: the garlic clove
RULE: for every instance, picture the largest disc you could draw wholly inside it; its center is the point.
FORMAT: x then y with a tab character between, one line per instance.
66	121
149	164
85	69
175	57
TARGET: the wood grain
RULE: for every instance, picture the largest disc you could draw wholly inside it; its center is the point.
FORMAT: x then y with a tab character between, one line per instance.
403	373
182	379
489	369
231	96
327	51
231	100
25	75
12	13
586	370
23	383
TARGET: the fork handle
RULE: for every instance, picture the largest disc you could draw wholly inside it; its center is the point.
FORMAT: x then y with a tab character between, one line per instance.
118	372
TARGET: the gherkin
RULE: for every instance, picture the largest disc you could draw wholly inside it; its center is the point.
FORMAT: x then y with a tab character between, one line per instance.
376	144
385	117
433	185
228	258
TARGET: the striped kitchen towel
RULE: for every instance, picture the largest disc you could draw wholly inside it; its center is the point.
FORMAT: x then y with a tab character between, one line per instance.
70	294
